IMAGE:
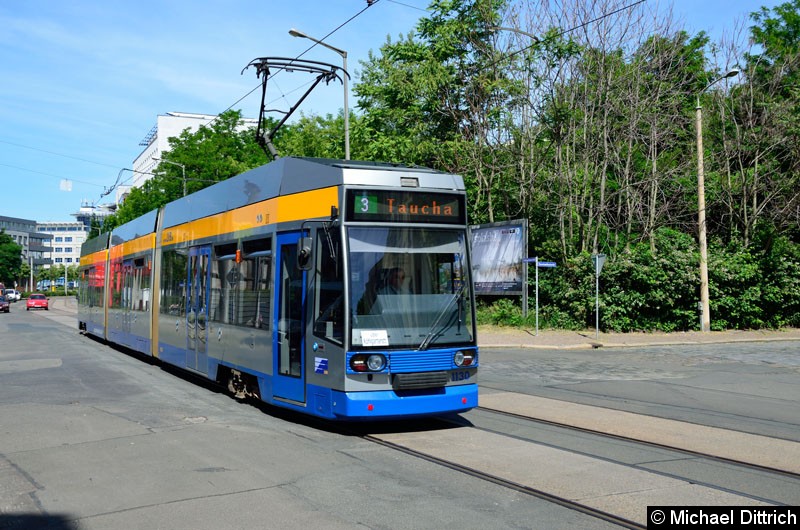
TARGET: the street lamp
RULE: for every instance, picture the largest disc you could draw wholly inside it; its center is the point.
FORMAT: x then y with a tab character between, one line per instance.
183	168
296	33
705	311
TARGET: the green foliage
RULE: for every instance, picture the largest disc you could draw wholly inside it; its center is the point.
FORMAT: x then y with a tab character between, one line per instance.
501	312
593	142
779	270
209	155
397	93
10	259
642	291
778	33
734	287
315	136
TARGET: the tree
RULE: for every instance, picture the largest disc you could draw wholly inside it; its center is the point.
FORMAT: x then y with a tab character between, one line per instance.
316	136
761	130
397	94
209	155
442	98
10	259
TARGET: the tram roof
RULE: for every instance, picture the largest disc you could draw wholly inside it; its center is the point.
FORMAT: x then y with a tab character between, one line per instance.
290	175
284	176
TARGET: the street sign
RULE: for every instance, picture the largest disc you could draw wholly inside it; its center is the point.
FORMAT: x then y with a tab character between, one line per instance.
599	260
541	264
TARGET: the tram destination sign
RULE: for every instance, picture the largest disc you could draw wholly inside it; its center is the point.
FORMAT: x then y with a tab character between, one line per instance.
401	206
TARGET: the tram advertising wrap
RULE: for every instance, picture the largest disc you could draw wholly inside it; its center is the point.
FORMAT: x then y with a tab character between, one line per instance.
340	289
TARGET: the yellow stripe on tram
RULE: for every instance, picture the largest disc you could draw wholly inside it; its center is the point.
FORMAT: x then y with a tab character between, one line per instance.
306	205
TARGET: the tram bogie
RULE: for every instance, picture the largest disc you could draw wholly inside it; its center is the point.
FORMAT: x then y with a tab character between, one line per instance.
334	288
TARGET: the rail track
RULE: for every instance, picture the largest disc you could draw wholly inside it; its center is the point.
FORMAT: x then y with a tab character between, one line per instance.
663	468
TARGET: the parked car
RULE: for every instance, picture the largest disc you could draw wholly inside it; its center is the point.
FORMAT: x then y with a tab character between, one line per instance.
12	295
37	301
5	307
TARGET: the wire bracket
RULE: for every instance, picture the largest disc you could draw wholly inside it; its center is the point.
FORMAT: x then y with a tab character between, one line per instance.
266	67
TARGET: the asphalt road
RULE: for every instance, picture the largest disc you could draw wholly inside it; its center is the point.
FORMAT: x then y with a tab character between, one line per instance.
94	438
745	386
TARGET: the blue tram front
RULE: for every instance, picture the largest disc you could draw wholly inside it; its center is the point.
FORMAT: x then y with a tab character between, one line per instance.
334	288
393	329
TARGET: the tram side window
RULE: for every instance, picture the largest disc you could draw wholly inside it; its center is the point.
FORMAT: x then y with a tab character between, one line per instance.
220	277
83	298
97	286
241	290
329	293
115	286
259	253
255	295
263	293
92	287
140	288
173	282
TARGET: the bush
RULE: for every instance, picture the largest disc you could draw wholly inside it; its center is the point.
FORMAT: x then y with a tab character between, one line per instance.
643	291
500	312
779	269
734	288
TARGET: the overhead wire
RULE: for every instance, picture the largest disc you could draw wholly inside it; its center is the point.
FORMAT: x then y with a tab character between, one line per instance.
409	6
118	180
537	42
51	175
370	3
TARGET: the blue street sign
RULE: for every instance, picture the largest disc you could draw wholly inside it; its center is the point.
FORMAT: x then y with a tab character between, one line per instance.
541	264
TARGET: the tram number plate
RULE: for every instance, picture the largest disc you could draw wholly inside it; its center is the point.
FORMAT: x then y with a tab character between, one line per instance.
459	376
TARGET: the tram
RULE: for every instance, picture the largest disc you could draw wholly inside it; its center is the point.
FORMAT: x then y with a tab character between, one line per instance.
339	289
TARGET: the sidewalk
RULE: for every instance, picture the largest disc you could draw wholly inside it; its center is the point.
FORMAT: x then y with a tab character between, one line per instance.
503	337
497	337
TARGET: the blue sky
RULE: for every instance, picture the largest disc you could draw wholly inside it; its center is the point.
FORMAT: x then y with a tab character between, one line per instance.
81	82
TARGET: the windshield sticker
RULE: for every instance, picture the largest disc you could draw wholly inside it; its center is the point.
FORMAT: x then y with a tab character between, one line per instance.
374	337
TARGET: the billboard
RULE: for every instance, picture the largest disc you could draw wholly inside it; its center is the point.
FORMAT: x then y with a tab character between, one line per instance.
497	253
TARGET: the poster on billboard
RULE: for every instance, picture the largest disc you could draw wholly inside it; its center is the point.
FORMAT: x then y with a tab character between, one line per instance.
497	253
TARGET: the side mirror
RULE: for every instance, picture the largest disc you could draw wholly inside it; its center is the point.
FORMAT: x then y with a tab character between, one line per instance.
304	253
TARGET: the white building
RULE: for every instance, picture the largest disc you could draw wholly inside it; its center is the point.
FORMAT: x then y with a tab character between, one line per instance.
67	238
91	214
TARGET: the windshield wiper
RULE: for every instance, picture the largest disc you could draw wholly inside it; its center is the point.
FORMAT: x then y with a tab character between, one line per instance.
434	330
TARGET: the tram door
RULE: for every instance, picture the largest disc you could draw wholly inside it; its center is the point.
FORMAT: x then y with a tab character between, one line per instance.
289	325
197	309
125	302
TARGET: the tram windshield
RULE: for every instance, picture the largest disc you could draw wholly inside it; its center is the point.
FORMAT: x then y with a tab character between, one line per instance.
409	287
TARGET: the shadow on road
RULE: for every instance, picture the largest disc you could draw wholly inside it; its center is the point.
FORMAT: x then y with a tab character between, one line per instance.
35	521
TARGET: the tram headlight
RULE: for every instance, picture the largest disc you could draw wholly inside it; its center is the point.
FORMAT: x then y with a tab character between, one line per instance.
375	363
464	358
365	362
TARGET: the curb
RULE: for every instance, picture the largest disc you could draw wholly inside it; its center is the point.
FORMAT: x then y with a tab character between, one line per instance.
598	345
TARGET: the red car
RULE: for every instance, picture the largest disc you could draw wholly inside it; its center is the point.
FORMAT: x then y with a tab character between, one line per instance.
38	301
5	307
